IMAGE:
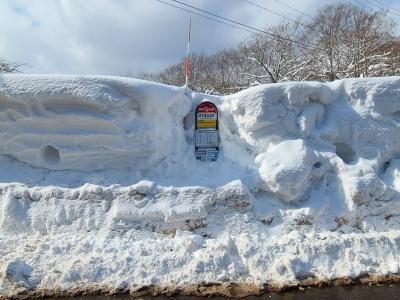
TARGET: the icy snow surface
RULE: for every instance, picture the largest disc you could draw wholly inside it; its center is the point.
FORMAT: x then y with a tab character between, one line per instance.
99	187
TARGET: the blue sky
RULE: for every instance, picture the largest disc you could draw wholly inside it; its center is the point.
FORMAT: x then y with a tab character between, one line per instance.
116	37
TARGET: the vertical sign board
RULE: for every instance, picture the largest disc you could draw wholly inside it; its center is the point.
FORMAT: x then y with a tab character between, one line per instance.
206	132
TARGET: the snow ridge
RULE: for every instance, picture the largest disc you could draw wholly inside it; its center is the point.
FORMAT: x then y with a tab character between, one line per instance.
100	187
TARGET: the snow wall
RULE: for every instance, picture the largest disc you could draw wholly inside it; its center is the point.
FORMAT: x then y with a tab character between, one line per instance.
91	154
284	138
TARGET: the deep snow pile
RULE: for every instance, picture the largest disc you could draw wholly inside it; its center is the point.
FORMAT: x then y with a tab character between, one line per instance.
99	187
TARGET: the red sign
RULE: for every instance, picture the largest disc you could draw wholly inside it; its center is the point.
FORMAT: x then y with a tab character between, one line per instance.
206	107
206	132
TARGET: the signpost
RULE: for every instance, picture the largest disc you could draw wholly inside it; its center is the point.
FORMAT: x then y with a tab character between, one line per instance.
206	132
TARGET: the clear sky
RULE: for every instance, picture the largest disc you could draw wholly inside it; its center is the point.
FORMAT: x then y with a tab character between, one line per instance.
116	37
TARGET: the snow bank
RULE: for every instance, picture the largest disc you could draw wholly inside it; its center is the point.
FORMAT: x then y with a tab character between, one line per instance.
100	187
88	123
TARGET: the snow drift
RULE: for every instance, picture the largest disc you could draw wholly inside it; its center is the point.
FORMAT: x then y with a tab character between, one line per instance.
100	188
60	124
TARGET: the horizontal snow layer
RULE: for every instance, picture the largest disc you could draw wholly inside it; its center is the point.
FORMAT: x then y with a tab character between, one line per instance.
88	123
100	188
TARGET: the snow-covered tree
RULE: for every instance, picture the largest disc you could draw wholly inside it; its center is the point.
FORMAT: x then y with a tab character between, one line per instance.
218	74
386	60
341	41
9	67
349	39
272	59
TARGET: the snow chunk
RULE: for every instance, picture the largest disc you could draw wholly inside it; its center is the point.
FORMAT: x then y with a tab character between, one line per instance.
392	174
286	169
18	272
13	212
310	117
234	194
162	204
302	93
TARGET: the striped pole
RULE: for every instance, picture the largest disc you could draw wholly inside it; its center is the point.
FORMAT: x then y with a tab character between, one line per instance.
187	54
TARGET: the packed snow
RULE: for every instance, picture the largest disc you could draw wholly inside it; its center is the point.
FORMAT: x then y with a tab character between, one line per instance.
100	188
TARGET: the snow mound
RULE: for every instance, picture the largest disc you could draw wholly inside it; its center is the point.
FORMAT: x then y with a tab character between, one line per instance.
304	133
289	176
88	123
100	187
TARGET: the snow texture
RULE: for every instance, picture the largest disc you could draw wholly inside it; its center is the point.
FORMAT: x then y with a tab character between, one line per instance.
100	187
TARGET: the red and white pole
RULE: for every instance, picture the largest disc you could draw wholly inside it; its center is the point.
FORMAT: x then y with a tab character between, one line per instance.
187	54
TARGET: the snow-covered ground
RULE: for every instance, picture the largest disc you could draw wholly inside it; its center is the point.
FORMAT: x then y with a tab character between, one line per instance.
100	189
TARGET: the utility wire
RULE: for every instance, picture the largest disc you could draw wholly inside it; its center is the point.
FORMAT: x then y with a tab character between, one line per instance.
383	6
280	15
206	17
294	9
367	5
362	4
276	36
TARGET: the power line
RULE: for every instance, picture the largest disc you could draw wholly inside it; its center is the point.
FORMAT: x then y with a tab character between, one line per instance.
294	9
362	4
383	6
280	15
391	8
367	5
248	26
206	17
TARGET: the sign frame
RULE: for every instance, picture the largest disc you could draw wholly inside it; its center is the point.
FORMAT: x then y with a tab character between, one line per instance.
206	131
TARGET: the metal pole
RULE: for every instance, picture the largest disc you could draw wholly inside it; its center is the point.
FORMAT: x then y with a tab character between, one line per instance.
187	55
